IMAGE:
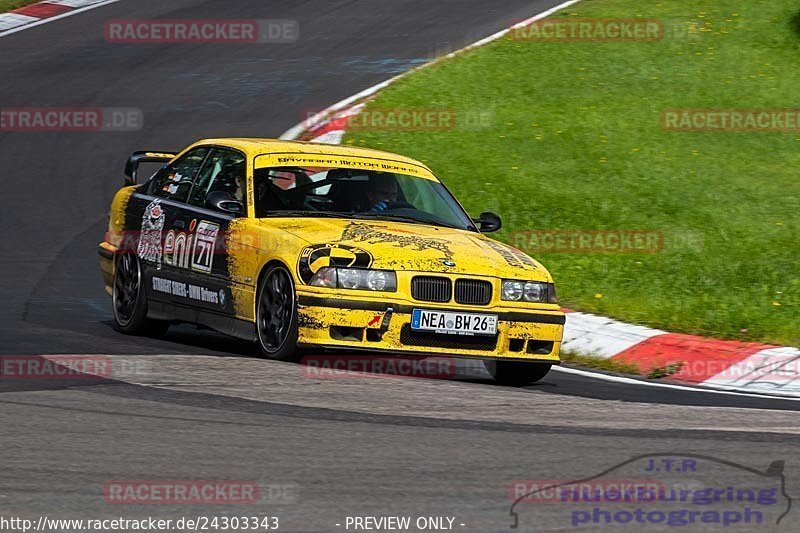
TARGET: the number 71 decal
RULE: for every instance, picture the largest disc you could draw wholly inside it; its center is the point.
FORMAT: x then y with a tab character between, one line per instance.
205	241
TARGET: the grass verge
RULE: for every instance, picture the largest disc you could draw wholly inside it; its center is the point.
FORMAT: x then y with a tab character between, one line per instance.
588	362
8	5
596	363
568	136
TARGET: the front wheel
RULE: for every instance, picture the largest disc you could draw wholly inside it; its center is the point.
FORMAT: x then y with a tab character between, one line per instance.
128	299
516	373
276	315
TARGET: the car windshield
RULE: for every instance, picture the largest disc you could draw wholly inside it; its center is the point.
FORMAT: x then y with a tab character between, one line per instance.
355	193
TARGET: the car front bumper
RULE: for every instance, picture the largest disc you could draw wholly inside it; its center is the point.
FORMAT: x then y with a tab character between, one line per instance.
383	325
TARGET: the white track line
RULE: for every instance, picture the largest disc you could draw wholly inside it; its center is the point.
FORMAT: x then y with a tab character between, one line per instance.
296	131
57	17
710	389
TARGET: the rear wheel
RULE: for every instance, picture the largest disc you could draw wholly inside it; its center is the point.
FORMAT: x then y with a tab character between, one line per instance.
516	373
128	299
276	315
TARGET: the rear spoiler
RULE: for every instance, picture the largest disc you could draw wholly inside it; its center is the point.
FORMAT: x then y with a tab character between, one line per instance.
132	166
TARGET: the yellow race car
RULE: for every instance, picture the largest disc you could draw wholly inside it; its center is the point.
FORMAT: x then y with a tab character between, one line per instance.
298	245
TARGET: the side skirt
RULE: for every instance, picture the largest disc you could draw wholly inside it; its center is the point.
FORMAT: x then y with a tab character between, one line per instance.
228	325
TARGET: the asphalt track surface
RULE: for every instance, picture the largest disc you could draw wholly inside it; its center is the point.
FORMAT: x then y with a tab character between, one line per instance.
196	405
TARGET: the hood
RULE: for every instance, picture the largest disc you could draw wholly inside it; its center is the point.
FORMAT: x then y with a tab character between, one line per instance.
416	247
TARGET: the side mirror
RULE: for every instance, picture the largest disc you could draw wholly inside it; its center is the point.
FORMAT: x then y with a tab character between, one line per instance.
488	222
225	202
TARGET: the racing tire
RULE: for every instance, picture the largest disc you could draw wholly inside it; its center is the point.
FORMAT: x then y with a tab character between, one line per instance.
128	300
276	315
516	373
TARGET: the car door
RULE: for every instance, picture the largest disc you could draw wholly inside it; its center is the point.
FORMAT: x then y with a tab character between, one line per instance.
152	213
196	247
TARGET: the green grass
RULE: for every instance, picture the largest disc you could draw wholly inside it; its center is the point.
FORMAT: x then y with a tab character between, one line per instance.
572	359
8	5
574	141
590	362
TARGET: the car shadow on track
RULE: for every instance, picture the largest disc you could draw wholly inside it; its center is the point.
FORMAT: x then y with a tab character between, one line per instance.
326	363
209	342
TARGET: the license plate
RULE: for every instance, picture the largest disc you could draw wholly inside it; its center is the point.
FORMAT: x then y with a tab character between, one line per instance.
453	322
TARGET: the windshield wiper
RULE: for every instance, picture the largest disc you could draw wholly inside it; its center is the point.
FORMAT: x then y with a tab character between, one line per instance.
370	216
327	214
411	220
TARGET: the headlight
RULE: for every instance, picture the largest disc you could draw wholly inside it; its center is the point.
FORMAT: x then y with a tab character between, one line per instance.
512	290
528	291
535	292
355	278
349	278
325	277
378	280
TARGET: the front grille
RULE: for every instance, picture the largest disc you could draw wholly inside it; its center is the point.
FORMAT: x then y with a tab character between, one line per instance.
409	337
473	292
431	289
